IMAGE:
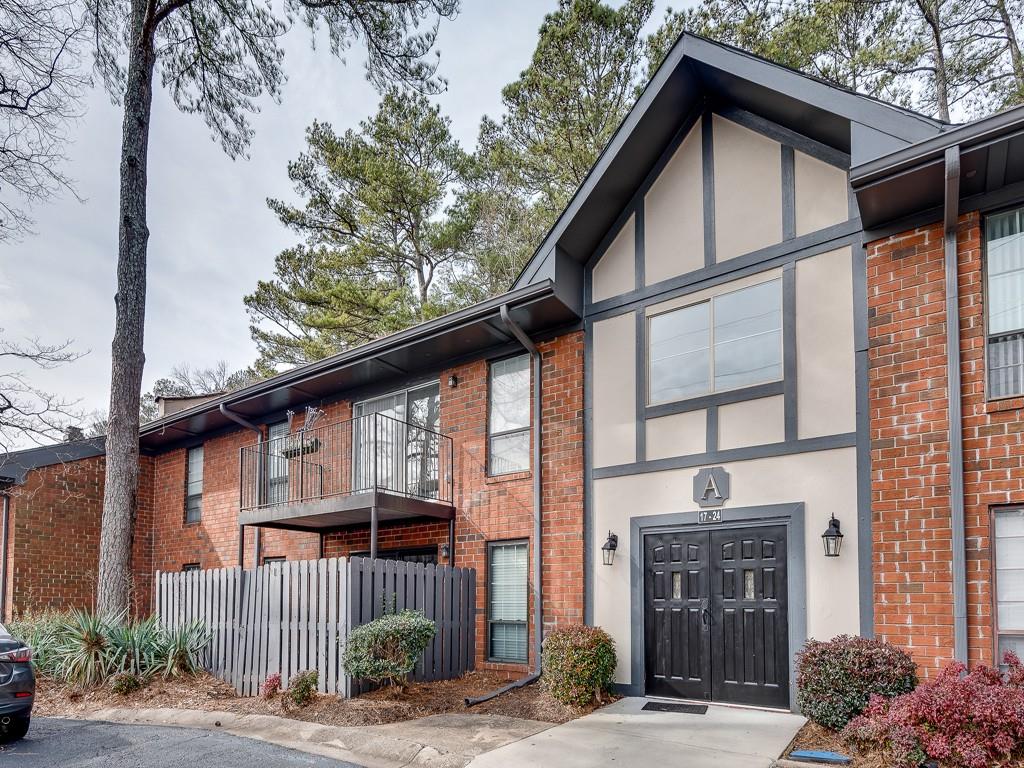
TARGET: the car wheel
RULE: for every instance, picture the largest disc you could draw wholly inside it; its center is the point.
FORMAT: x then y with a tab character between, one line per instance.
14	730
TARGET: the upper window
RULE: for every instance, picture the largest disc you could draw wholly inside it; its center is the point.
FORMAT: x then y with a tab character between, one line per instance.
189	567
1004	258
1009	562
731	341
194	485
508	416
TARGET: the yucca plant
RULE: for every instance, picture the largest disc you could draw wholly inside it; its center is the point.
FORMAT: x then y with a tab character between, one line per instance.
183	649
81	650
40	632
135	648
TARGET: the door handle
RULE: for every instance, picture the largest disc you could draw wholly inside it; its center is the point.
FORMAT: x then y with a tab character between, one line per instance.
705	613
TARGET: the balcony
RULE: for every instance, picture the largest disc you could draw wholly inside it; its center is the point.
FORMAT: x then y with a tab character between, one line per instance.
369	469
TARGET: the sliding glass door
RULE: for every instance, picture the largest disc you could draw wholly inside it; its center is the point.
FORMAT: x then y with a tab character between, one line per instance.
398	452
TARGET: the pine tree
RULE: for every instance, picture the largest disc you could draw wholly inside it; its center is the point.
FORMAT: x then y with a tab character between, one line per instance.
382	246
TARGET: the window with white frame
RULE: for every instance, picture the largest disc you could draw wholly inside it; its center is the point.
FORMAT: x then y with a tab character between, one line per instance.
1004	306
194	485
508	416
1009	564
507	631
730	341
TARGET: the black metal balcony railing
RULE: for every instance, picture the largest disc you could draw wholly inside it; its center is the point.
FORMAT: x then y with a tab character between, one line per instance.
367	453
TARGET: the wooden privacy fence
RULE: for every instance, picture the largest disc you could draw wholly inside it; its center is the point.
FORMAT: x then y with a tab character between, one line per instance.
291	616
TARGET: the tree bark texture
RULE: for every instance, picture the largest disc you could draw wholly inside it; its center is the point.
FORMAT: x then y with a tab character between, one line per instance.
120	499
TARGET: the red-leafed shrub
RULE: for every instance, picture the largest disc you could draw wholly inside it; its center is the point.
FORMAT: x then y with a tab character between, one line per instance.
271	686
962	721
835	679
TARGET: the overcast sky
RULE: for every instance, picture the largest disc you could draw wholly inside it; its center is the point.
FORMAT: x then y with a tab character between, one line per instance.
212	236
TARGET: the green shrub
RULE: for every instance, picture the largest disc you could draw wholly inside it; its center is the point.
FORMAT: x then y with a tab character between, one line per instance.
387	649
578	664
835	679
124	683
302	687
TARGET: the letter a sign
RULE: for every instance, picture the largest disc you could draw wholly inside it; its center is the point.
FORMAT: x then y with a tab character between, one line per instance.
711	487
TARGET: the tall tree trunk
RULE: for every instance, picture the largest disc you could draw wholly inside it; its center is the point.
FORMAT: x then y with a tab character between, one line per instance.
120	498
930	9
1016	61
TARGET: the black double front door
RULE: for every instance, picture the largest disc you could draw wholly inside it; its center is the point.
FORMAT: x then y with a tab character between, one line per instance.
715	615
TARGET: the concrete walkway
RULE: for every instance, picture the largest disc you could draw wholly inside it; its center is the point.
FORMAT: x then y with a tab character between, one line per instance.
438	741
622	735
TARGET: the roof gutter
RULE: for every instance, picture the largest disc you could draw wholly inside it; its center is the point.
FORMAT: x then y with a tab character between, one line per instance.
298	376
955	389
538	595
257	544
934	150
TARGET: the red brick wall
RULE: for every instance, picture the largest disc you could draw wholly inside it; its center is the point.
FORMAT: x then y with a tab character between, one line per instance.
910	450
54	535
501	508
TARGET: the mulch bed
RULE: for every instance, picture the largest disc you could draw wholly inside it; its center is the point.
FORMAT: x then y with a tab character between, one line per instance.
387	705
814	736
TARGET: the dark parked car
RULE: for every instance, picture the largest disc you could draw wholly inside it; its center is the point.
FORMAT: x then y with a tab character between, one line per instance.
17	687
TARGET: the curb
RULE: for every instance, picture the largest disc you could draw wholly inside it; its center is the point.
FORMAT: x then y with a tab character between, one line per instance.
353	744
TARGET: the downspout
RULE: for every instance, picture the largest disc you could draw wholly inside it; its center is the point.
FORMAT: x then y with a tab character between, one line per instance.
955	392
538	599
239	419
5	522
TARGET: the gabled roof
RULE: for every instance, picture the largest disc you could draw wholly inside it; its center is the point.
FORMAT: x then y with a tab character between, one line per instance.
14	466
699	73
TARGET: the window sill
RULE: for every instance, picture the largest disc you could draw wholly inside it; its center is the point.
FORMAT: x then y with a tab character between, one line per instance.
493	479
1005	404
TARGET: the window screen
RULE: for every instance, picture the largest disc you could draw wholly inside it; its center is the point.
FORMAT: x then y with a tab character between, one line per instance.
508	416
194	485
1009	546
1004	262
507	601
732	341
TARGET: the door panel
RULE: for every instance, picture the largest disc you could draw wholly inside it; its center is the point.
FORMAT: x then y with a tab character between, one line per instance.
676	602
749	627
716	615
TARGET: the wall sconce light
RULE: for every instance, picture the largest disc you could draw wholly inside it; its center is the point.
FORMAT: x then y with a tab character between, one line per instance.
453	381
445	552
832	538
609	547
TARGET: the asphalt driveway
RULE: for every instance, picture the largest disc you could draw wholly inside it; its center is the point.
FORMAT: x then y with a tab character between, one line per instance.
92	744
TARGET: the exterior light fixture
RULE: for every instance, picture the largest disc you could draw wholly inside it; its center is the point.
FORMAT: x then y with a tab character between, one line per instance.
453	381
609	547
832	538
445	551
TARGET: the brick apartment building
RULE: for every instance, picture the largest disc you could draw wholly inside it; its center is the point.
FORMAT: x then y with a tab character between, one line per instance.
946	324
734	339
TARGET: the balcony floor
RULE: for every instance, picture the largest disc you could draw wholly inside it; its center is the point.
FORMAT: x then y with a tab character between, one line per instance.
344	510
